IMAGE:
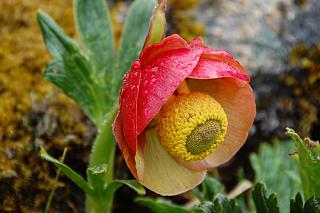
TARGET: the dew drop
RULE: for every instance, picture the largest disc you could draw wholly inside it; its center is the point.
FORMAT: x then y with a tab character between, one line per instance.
133	87
136	65
154	69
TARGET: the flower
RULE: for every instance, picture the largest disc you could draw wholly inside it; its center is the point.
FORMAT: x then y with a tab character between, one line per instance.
184	108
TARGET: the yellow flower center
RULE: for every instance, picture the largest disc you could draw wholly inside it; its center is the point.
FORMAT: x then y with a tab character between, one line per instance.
191	126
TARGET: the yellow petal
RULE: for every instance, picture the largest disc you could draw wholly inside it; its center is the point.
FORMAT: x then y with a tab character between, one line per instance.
159	172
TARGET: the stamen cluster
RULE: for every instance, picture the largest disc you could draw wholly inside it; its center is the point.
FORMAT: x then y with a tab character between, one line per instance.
191	126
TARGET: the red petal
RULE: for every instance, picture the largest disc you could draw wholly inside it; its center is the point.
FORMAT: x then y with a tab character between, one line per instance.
218	64
128	104
173	42
197	43
126	151
164	66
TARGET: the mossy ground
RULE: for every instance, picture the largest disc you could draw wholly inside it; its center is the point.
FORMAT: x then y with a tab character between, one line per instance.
304	83
34	113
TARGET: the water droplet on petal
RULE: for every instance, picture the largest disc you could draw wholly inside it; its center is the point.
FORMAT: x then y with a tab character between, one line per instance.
154	69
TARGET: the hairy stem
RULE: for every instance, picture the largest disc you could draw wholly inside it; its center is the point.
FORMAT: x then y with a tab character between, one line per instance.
103	152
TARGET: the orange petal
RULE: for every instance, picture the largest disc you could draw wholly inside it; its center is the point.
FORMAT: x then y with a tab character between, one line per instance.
159	172
237	99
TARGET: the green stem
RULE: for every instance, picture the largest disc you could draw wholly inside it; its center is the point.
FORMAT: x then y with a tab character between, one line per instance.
103	152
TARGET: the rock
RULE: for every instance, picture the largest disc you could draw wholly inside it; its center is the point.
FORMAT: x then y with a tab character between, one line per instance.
260	33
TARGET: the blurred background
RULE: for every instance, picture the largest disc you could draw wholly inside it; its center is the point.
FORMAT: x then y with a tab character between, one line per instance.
278	41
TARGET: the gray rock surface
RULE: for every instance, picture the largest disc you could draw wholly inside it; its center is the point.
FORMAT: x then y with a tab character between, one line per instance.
260	33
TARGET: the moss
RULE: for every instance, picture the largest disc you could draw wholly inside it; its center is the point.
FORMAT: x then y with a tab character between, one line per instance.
182	15
183	5
32	112
301	3
304	81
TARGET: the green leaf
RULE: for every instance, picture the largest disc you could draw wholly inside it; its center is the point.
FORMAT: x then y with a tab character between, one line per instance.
225	205
296	205
212	197
263	203
57	42
133	36
273	166
198	194
71	71
95	29
71	174
49	200
161	205
209	188
220	204
203	207
157	28
308	161
133	184
311	206
96	176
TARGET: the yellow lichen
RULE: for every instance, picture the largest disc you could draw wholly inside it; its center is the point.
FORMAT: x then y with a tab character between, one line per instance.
182	16
303	80
186	116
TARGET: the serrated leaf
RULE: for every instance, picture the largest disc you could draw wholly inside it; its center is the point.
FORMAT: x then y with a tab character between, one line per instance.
71	71
311	206
71	174
220	204
72	75
133	36
203	207
263	203
161	206
309	165
273	166
95	29
133	184
225	205
296	205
